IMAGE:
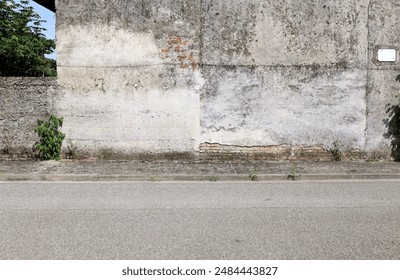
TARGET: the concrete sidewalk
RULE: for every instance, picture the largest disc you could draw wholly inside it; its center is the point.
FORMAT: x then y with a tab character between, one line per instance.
113	170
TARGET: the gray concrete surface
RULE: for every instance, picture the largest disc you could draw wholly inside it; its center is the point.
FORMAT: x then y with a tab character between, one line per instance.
167	76
119	170
200	220
256	79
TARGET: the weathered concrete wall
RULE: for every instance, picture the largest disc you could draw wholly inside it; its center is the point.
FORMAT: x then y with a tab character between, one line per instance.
214	76
382	130
129	76
285	72
22	102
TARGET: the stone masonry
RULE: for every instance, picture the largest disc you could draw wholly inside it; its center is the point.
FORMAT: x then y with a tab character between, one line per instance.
215	79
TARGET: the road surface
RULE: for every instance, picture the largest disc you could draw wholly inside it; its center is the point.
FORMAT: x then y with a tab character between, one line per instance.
200	220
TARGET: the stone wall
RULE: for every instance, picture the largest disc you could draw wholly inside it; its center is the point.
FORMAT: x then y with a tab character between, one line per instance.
22	102
383	83
178	76
299	73
265	79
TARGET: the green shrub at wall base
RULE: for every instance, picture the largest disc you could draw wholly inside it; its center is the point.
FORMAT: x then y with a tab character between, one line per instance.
49	145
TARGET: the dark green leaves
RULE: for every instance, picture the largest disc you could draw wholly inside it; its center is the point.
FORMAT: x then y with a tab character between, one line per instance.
22	43
49	145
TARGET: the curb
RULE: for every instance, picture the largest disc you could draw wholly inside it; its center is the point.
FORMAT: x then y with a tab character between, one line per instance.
185	177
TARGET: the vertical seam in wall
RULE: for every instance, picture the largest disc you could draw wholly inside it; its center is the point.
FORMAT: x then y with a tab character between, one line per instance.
53	92
202	20
367	87
202	16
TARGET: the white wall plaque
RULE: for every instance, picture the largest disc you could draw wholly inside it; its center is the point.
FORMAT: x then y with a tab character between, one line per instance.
387	55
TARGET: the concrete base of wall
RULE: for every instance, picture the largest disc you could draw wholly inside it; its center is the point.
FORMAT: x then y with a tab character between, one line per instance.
24	100
217	152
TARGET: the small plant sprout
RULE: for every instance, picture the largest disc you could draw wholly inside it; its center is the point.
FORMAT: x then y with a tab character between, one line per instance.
294	173
71	149
336	151
253	175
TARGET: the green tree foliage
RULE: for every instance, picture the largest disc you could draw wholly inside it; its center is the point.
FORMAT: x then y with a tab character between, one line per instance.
22	43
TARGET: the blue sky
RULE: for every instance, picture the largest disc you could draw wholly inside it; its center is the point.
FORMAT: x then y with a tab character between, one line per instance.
50	23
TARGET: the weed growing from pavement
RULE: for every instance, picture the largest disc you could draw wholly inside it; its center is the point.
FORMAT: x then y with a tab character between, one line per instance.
336	151
294	173
71	150
6	143
253	175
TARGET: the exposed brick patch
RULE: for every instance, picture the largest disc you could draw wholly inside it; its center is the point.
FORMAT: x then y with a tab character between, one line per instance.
180	51
217	152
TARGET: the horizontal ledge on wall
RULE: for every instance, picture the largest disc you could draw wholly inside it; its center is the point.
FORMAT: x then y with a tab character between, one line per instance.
302	66
299	66
112	66
381	68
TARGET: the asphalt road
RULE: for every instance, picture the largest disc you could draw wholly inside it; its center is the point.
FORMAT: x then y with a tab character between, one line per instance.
200	220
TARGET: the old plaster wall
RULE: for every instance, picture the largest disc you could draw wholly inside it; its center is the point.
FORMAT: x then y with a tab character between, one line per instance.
129	76
219	77
383	85
285	72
